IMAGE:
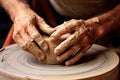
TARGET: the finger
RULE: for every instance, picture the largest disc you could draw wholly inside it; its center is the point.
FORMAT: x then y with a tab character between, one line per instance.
44	26
20	36
74	49
66	27
33	49
71	51
33	32
72	39
65	36
18	39
25	36
61	30
77	56
62	38
29	45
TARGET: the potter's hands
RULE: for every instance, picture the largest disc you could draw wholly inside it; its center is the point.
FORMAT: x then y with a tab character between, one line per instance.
26	34
76	44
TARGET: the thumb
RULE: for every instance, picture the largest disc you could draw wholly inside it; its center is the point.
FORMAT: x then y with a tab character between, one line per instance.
44	26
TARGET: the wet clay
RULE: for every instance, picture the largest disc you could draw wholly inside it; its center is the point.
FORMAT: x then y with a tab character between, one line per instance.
50	56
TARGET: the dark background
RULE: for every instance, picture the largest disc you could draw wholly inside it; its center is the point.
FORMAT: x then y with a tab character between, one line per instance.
5	24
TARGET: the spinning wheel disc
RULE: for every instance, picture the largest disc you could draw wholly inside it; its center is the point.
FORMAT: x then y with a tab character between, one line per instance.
98	64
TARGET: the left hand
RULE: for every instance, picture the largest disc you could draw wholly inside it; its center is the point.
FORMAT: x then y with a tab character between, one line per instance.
76	44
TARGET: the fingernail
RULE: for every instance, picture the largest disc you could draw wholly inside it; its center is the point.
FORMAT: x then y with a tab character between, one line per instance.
42	57
52	35
52	38
67	63
58	58
44	46
56	51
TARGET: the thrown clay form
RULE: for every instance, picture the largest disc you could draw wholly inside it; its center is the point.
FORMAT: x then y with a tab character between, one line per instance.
50	56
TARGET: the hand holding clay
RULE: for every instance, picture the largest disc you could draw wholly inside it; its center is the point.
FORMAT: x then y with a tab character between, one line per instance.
76	44
26	34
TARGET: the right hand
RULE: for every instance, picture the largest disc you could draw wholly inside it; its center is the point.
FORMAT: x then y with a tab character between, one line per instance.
26	34
81	38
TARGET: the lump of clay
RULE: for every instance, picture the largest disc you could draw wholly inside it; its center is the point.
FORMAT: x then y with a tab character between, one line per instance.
50	56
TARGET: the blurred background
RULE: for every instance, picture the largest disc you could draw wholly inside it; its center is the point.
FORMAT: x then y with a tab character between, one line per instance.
112	39
5	25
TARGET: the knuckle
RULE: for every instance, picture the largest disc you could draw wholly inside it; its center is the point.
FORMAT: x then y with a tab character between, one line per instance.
44	45
41	20
19	30
15	34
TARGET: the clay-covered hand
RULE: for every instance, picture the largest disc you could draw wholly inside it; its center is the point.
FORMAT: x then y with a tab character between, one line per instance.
26	34
75	45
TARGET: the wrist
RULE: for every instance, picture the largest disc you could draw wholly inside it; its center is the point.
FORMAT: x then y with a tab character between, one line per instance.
94	28
19	9
14	7
107	23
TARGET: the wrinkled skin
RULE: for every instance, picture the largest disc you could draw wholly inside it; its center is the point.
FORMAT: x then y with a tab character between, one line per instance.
26	33
80	35
76	44
79	39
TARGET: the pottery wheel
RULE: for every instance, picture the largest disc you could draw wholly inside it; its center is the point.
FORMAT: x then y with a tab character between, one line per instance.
97	64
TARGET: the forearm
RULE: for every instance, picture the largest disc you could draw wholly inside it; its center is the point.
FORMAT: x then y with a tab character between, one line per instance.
13	7
111	19
108	22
